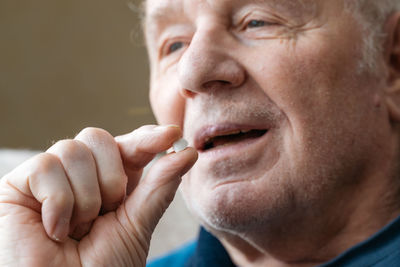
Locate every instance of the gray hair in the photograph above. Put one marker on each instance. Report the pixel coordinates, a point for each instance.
(372, 15)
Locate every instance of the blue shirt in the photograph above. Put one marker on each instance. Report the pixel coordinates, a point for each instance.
(380, 250)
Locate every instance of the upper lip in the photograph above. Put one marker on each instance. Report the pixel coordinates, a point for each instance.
(205, 133)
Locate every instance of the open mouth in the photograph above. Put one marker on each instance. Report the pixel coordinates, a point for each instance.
(230, 138)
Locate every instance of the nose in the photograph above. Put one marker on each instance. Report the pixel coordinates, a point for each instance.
(207, 65)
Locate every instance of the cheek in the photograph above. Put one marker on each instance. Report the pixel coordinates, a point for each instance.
(309, 79)
(167, 103)
(314, 84)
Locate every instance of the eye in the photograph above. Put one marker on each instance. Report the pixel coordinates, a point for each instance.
(258, 23)
(254, 23)
(174, 47)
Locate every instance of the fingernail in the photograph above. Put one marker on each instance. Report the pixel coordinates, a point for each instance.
(61, 229)
(180, 145)
(164, 127)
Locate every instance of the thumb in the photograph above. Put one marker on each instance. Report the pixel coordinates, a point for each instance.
(148, 202)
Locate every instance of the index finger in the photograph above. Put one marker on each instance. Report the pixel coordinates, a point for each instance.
(139, 147)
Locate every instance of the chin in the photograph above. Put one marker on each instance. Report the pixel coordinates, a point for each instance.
(239, 207)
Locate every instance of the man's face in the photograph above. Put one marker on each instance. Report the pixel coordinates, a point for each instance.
(271, 95)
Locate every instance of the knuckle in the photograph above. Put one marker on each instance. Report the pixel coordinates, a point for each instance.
(62, 144)
(90, 131)
(43, 163)
(71, 150)
(94, 136)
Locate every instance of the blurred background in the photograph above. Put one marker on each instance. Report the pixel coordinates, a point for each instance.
(66, 65)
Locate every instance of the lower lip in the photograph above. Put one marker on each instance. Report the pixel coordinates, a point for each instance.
(235, 149)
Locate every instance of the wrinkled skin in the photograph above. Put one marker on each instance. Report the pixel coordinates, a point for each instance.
(293, 69)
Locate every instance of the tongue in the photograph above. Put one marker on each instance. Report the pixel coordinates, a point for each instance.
(236, 138)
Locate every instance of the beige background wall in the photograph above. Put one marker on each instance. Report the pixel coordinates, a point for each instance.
(66, 65)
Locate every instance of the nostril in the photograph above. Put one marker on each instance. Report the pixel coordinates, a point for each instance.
(223, 82)
(216, 84)
(187, 93)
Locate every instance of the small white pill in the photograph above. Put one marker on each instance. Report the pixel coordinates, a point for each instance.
(180, 145)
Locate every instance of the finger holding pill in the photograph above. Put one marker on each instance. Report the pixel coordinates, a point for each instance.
(66, 195)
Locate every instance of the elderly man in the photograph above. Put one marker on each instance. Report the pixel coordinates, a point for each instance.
(294, 109)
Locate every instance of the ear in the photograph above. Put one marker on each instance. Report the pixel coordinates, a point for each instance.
(392, 56)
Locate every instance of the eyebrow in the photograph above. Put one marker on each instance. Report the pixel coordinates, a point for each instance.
(163, 13)
(160, 15)
(166, 12)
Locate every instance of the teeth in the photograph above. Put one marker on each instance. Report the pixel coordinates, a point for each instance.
(231, 132)
(236, 132)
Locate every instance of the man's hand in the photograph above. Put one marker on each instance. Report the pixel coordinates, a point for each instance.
(82, 203)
